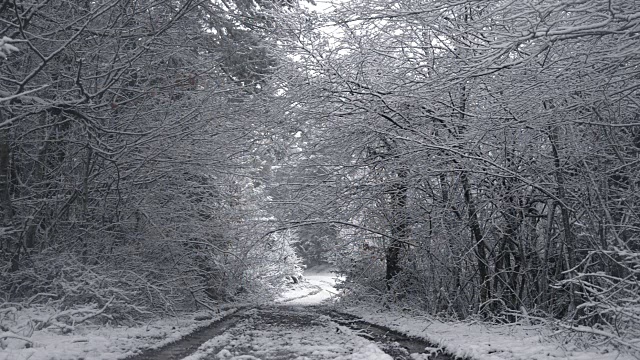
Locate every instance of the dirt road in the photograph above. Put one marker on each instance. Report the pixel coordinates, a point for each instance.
(292, 332)
(298, 327)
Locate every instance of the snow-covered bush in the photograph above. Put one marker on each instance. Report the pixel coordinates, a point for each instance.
(266, 265)
(68, 285)
(608, 285)
(359, 258)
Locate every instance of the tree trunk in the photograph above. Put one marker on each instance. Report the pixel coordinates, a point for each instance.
(478, 241)
(11, 243)
(569, 244)
(399, 226)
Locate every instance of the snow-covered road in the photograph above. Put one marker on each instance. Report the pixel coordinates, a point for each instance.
(288, 332)
(297, 329)
(315, 289)
(293, 329)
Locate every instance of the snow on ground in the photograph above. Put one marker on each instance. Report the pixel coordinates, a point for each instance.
(324, 282)
(318, 286)
(287, 333)
(294, 333)
(95, 342)
(480, 341)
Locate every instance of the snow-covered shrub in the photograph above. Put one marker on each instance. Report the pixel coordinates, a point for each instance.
(68, 285)
(360, 260)
(608, 283)
(265, 265)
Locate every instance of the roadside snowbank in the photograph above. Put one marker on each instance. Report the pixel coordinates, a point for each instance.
(88, 341)
(481, 341)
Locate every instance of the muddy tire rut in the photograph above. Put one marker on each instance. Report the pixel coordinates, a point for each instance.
(190, 343)
(395, 344)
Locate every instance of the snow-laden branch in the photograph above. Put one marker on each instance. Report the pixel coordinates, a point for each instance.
(6, 47)
(296, 224)
(22, 94)
(10, 335)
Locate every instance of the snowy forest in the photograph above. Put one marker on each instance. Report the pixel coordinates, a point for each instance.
(471, 159)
